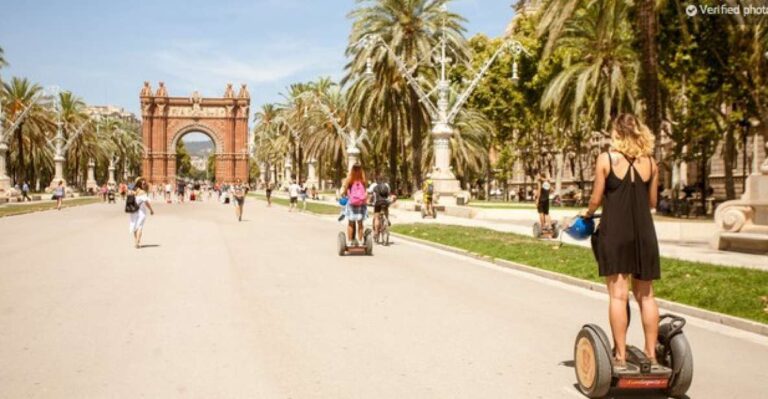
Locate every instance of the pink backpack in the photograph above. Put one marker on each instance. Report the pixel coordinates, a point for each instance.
(357, 194)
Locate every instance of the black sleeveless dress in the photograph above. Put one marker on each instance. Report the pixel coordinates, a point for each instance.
(627, 241)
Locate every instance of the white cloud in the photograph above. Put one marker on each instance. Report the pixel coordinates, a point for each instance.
(199, 65)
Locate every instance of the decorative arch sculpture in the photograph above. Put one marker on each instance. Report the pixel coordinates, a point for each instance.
(166, 119)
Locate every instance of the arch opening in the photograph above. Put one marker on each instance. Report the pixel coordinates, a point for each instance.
(195, 154)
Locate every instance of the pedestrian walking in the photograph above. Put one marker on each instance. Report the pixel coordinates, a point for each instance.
(168, 191)
(238, 192)
(137, 203)
(25, 192)
(293, 193)
(123, 190)
(180, 188)
(626, 247)
(541, 198)
(58, 194)
(269, 194)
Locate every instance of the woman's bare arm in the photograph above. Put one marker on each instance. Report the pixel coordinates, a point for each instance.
(598, 186)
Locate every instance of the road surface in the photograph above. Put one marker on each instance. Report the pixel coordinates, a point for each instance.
(213, 308)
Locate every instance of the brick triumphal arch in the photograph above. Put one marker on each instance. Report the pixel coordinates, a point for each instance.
(166, 119)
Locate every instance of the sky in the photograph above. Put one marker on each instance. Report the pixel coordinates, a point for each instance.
(103, 51)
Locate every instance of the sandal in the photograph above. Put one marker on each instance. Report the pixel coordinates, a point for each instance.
(619, 365)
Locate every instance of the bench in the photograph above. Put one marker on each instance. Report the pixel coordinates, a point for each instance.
(747, 242)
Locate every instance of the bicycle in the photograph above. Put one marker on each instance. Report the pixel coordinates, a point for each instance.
(382, 233)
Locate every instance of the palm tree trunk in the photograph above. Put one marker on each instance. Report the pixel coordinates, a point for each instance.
(404, 169)
(417, 140)
(648, 28)
(393, 145)
(20, 172)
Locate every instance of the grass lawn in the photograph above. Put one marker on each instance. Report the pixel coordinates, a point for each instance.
(20, 209)
(733, 291)
(321, 209)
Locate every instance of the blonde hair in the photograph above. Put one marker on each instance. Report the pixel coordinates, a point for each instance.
(631, 137)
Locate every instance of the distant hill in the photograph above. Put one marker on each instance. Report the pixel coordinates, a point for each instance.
(199, 148)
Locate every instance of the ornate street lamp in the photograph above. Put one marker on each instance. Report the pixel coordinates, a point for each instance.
(442, 113)
(5, 180)
(350, 136)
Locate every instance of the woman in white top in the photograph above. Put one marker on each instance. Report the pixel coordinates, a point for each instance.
(138, 217)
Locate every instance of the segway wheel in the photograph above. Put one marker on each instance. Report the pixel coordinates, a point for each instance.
(681, 362)
(592, 363)
(555, 231)
(536, 230)
(423, 212)
(342, 244)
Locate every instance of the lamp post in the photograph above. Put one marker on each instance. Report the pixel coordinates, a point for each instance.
(350, 136)
(5, 180)
(443, 113)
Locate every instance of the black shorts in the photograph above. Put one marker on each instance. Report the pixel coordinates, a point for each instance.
(294, 200)
(240, 201)
(269, 193)
(378, 208)
(543, 207)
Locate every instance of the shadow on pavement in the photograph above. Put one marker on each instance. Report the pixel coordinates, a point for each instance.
(149, 246)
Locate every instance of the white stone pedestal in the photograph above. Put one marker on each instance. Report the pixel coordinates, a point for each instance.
(743, 224)
(312, 173)
(90, 183)
(58, 175)
(445, 181)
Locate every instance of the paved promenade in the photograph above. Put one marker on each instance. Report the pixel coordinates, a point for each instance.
(213, 308)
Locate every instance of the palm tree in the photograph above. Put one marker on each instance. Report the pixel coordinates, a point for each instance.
(555, 18)
(73, 116)
(3, 62)
(411, 28)
(600, 66)
(325, 141)
(269, 147)
(30, 138)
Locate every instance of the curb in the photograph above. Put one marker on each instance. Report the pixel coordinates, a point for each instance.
(714, 317)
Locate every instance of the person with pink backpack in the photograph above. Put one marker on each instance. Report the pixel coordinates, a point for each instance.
(357, 200)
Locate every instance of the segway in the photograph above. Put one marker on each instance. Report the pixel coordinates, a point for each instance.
(596, 376)
(424, 211)
(364, 248)
(551, 233)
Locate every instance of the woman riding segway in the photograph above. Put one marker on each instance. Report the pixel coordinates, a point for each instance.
(627, 252)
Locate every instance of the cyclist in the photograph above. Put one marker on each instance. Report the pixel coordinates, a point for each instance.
(428, 190)
(381, 199)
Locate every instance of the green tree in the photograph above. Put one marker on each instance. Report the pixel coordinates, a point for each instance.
(183, 160)
(555, 21)
(599, 68)
(411, 28)
(28, 152)
(3, 62)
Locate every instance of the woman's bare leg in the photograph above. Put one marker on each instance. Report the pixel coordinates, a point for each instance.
(138, 238)
(618, 292)
(360, 231)
(649, 312)
(350, 231)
